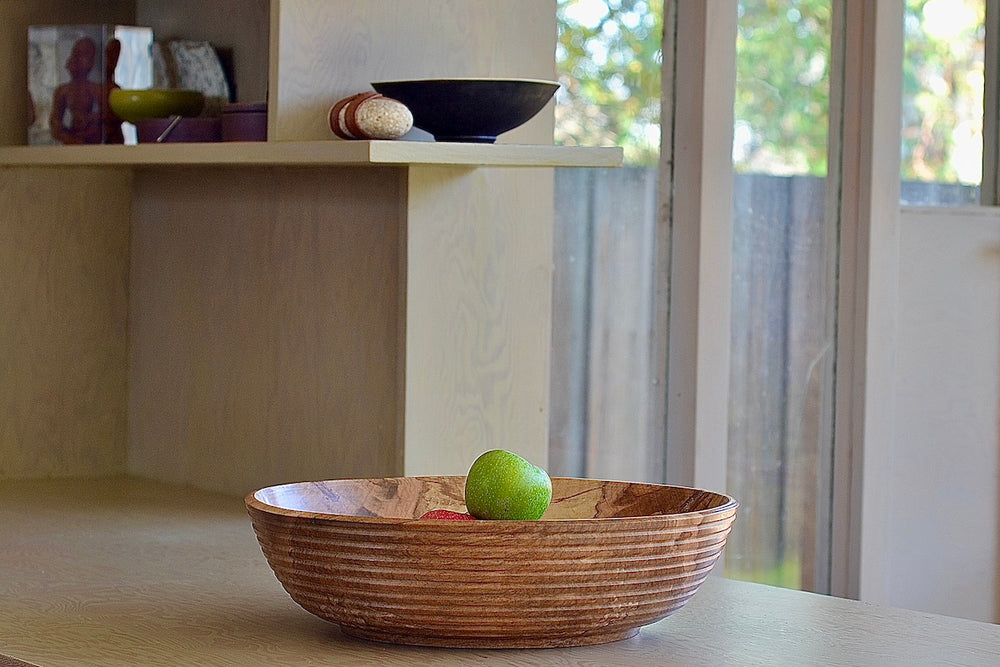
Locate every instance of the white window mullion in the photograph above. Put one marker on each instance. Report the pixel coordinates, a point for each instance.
(990, 188)
(700, 206)
(867, 295)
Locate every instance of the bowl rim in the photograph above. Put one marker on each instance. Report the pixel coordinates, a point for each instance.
(467, 79)
(133, 105)
(186, 92)
(253, 503)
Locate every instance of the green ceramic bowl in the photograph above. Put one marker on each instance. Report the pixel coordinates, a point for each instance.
(135, 105)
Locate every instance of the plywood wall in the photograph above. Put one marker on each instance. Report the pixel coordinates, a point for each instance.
(63, 266)
(264, 330)
(478, 312)
(63, 293)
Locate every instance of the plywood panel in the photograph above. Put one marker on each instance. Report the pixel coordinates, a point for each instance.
(264, 327)
(63, 270)
(15, 17)
(479, 276)
(323, 51)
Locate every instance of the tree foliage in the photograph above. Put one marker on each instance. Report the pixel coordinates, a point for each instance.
(782, 86)
(610, 53)
(609, 56)
(943, 90)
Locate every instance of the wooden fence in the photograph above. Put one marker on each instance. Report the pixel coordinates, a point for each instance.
(602, 325)
(603, 343)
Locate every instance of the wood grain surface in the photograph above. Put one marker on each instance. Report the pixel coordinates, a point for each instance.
(7, 661)
(63, 307)
(264, 326)
(478, 296)
(396, 498)
(63, 265)
(126, 572)
(312, 153)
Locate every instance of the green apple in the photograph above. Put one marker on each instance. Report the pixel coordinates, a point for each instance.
(502, 485)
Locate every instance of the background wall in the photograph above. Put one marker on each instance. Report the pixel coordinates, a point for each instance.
(263, 347)
(63, 273)
(943, 527)
(63, 309)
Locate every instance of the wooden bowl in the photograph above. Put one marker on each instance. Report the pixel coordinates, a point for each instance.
(606, 559)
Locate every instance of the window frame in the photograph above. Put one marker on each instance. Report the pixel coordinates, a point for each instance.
(989, 192)
(696, 202)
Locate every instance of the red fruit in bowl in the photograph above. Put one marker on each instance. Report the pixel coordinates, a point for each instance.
(448, 515)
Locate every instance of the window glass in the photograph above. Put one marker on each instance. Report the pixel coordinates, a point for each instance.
(783, 297)
(603, 368)
(609, 55)
(784, 287)
(943, 78)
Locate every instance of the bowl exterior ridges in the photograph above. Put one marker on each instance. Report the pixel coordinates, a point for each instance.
(492, 584)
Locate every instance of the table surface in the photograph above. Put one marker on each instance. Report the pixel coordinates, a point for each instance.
(130, 572)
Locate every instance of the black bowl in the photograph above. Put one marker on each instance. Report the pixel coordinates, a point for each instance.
(469, 110)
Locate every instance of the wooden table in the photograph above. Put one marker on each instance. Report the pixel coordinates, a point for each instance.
(128, 572)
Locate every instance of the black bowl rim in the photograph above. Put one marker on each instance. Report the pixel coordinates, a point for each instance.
(253, 503)
(466, 79)
(470, 120)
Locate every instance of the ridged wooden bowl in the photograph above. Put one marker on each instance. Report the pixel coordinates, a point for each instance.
(606, 559)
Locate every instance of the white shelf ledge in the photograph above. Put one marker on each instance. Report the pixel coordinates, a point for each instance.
(315, 153)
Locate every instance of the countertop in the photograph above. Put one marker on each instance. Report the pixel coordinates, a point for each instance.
(130, 572)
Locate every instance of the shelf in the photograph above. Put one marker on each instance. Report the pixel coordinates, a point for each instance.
(312, 153)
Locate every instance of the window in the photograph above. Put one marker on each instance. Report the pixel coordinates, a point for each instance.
(808, 308)
(606, 375)
(607, 369)
(943, 86)
(783, 296)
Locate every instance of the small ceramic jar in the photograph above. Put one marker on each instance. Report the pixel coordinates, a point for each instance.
(244, 122)
(165, 130)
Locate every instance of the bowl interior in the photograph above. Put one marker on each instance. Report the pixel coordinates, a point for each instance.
(469, 110)
(408, 497)
(135, 105)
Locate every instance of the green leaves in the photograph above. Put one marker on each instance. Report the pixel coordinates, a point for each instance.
(782, 85)
(609, 56)
(942, 87)
(610, 53)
